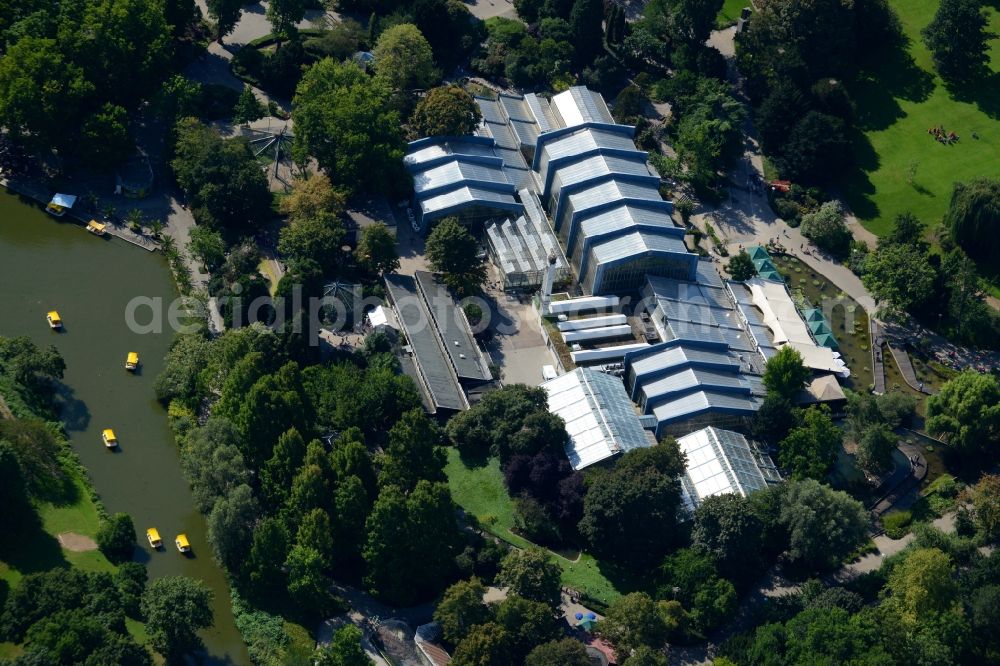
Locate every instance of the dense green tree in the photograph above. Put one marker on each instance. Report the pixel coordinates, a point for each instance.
(922, 585)
(376, 249)
(899, 276)
(690, 576)
(585, 20)
(212, 463)
(226, 14)
(274, 403)
(727, 528)
(13, 490)
(810, 450)
(308, 584)
(123, 46)
(741, 267)
(315, 531)
(974, 321)
(248, 108)
(176, 608)
(343, 118)
(404, 59)
(630, 513)
(985, 506)
(38, 453)
(317, 239)
(116, 537)
(966, 414)
(178, 14)
(283, 15)
(345, 649)
(351, 506)
(528, 623)
(958, 39)
(230, 526)
(207, 244)
(460, 609)
(690, 21)
(827, 229)
(632, 621)
(974, 213)
(222, 178)
(267, 555)
(496, 420)
(775, 418)
(413, 452)
(452, 251)
(816, 150)
(312, 197)
(29, 365)
(709, 132)
(783, 106)
(279, 471)
(485, 645)
(451, 30)
(647, 656)
(532, 575)
(907, 229)
(823, 525)
(566, 652)
(875, 449)
(446, 111)
(181, 377)
(78, 636)
(832, 635)
(411, 542)
(105, 142)
(984, 618)
(785, 375)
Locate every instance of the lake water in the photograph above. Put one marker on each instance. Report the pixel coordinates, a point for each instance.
(46, 264)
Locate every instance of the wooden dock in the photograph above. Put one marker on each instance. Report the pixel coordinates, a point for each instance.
(113, 228)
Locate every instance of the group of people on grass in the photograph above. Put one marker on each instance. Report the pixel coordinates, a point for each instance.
(939, 134)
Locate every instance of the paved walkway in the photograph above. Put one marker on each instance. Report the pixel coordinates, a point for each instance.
(905, 367)
(904, 479)
(746, 217)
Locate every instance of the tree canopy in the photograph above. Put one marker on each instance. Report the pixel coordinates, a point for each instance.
(377, 249)
(958, 59)
(446, 111)
(966, 414)
(404, 59)
(785, 375)
(823, 524)
(630, 513)
(810, 450)
(343, 118)
(974, 213)
(452, 251)
(176, 608)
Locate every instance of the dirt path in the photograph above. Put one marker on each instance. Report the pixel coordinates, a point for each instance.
(77, 543)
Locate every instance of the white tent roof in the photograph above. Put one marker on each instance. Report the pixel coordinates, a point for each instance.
(781, 316)
(382, 316)
(64, 200)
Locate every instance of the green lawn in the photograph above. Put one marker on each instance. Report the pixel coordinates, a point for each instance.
(37, 549)
(730, 12)
(480, 492)
(902, 166)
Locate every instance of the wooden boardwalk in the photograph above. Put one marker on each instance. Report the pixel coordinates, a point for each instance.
(906, 370)
(878, 368)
